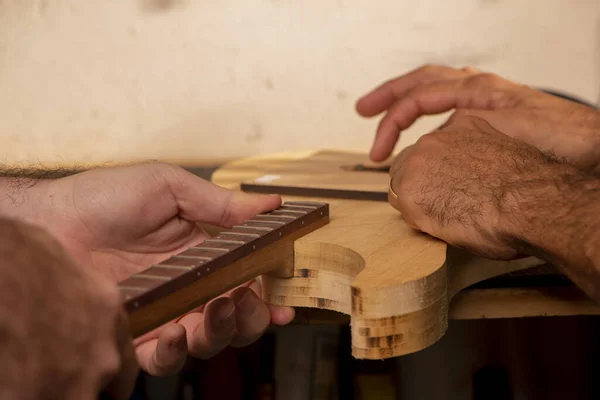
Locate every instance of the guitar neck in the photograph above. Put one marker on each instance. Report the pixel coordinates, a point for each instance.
(261, 245)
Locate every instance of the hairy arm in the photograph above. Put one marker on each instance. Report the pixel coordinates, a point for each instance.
(24, 191)
(556, 217)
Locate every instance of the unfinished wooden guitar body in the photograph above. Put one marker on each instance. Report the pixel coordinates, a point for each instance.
(396, 284)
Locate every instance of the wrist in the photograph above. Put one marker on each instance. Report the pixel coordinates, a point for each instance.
(595, 144)
(24, 198)
(550, 202)
(554, 215)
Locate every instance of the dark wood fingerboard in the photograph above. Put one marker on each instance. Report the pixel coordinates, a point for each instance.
(198, 262)
(306, 191)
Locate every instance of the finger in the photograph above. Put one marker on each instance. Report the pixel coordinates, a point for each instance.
(396, 198)
(211, 332)
(382, 97)
(203, 201)
(123, 384)
(165, 355)
(433, 98)
(281, 315)
(252, 315)
(476, 92)
(155, 333)
(397, 167)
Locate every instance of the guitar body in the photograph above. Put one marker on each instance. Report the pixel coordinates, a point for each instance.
(395, 284)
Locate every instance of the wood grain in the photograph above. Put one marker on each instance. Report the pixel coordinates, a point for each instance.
(395, 284)
(334, 175)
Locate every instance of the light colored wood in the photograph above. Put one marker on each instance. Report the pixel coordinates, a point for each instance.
(328, 169)
(394, 283)
(95, 80)
(521, 302)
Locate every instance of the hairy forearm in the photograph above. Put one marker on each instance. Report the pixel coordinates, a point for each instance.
(22, 189)
(556, 217)
(595, 127)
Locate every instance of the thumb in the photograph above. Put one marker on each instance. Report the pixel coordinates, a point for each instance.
(202, 201)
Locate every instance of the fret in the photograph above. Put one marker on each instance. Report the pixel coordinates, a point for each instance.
(175, 267)
(155, 277)
(196, 258)
(265, 222)
(258, 228)
(293, 212)
(131, 288)
(163, 271)
(182, 261)
(180, 271)
(280, 219)
(243, 234)
(224, 241)
(206, 254)
(208, 248)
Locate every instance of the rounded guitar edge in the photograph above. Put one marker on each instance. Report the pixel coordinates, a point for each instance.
(385, 321)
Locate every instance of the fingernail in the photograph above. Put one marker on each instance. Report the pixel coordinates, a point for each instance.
(247, 303)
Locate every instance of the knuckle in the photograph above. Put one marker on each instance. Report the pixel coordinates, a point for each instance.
(486, 79)
(231, 215)
(432, 139)
(469, 69)
(389, 84)
(461, 114)
(460, 119)
(429, 68)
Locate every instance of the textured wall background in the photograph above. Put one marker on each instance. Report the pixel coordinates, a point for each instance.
(173, 79)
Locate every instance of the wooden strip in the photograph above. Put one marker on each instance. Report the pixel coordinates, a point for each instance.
(303, 191)
(260, 245)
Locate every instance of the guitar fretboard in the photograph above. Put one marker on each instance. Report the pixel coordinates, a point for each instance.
(217, 252)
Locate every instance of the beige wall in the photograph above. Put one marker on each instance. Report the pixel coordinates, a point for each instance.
(96, 80)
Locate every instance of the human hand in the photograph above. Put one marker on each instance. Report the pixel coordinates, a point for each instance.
(121, 220)
(556, 126)
(64, 332)
(459, 184)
